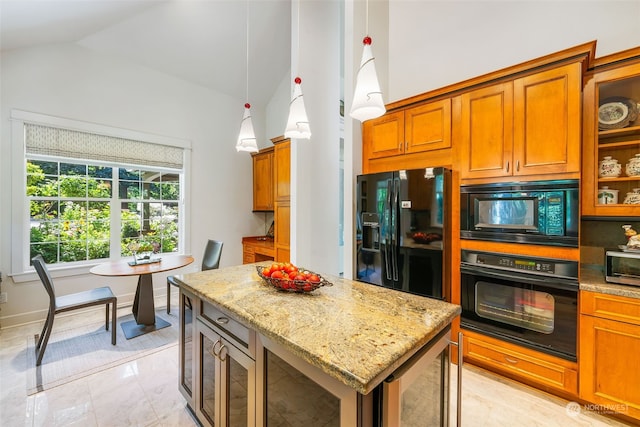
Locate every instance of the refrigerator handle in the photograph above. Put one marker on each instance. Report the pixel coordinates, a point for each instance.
(395, 219)
(387, 235)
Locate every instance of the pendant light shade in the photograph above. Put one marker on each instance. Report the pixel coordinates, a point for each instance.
(247, 138)
(298, 123)
(367, 98)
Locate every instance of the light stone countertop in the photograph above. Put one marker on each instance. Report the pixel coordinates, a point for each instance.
(592, 280)
(355, 332)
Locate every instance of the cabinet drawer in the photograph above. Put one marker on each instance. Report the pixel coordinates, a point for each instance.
(612, 307)
(525, 366)
(243, 336)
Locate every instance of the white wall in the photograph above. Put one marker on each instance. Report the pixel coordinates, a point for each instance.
(72, 82)
(277, 110)
(436, 43)
(315, 162)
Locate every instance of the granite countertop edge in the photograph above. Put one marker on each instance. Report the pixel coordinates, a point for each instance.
(592, 280)
(237, 286)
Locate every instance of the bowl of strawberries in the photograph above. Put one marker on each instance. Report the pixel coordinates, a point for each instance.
(285, 276)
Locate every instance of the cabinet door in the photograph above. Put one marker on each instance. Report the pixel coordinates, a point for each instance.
(609, 373)
(282, 173)
(237, 380)
(263, 181)
(186, 348)
(486, 128)
(226, 385)
(621, 143)
(384, 136)
(208, 397)
(547, 121)
(428, 127)
(282, 221)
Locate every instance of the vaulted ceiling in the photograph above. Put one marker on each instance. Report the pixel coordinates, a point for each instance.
(200, 41)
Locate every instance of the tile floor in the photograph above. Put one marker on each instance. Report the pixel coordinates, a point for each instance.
(145, 392)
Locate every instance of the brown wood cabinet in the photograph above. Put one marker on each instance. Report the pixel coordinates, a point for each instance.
(406, 132)
(531, 367)
(608, 352)
(263, 180)
(256, 249)
(522, 127)
(282, 186)
(614, 78)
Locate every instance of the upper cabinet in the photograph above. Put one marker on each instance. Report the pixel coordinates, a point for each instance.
(406, 132)
(282, 186)
(263, 180)
(612, 130)
(523, 127)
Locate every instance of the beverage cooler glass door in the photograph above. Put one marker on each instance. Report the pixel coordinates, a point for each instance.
(417, 394)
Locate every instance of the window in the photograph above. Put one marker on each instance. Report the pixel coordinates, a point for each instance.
(71, 216)
(85, 191)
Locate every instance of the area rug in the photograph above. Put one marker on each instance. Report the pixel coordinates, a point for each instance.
(76, 353)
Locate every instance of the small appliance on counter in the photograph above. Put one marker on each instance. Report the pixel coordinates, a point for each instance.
(623, 266)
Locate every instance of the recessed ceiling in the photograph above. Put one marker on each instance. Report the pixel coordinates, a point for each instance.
(202, 41)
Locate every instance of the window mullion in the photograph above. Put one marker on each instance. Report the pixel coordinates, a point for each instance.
(115, 217)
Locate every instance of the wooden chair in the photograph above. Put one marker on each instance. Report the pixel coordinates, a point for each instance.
(210, 261)
(96, 296)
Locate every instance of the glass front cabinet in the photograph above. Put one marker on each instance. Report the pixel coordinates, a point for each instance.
(611, 158)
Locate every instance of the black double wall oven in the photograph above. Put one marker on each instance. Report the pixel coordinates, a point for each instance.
(527, 300)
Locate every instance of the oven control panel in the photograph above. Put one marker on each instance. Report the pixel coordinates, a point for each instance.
(524, 264)
(517, 263)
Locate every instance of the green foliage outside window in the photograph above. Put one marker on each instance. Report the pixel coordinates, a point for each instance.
(70, 210)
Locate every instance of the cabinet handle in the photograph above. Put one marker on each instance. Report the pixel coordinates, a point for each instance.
(213, 348)
(400, 146)
(222, 359)
(222, 320)
(507, 165)
(508, 359)
(406, 145)
(517, 165)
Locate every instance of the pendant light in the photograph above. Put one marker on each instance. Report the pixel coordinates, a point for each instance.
(247, 137)
(367, 98)
(297, 123)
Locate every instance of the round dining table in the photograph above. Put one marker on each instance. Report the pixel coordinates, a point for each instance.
(145, 319)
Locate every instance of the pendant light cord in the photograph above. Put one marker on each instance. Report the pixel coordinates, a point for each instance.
(366, 28)
(247, 51)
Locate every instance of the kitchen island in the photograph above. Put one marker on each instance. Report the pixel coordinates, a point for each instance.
(252, 353)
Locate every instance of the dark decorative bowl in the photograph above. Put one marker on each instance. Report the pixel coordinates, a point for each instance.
(289, 285)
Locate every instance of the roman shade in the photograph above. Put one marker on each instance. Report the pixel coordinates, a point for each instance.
(52, 141)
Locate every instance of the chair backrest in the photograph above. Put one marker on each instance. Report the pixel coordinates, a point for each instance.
(212, 253)
(45, 277)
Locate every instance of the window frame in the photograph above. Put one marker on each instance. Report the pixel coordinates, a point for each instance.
(20, 231)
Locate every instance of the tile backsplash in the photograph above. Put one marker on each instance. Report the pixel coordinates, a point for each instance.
(597, 236)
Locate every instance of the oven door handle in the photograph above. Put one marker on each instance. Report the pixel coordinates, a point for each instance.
(550, 282)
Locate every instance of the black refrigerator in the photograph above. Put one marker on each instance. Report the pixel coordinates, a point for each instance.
(401, 228)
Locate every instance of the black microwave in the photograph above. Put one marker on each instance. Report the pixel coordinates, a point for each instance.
(536, 212)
